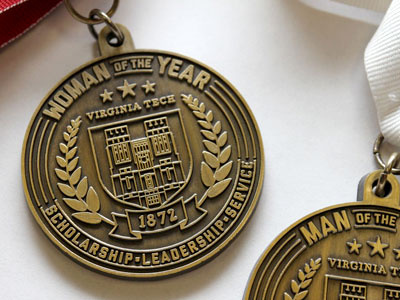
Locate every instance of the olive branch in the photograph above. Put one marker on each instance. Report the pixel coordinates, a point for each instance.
(76, 188)
(299, 289)
(215, 168)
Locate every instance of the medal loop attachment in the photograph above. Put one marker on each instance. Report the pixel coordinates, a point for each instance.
(377, 153)
(97, 14)
(387, 170)
(89, 20)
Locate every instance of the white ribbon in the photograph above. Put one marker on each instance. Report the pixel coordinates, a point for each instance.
(382, 63)
(377, 5)
(370, 11)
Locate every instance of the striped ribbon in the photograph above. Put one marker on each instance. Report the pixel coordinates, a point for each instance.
(18, 16)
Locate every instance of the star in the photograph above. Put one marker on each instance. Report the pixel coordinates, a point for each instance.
(397, 252)
(127, 89)
(354, 247)
(106, 96)
(377, 247)
(149, 87)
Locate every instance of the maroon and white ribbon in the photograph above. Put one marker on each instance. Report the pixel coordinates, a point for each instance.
(18, 16)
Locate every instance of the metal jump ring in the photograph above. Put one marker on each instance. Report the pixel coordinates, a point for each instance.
(106, 19)
(86, 20)
(388, 169)
(378, 156)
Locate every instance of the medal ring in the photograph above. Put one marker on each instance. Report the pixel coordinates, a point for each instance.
(88, 20)
(378, 156)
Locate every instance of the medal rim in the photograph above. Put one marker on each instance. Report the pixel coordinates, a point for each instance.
(158, 274)
(260, 260)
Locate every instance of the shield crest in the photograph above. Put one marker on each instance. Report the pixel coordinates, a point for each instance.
(143, 162)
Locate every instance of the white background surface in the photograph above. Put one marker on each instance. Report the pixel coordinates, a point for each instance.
(300, 70)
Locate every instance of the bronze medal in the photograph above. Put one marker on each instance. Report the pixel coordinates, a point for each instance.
(142, 163)
(348, 251)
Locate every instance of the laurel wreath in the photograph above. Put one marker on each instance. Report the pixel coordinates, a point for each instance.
(215, 168)
(299, 289)
(76, 189)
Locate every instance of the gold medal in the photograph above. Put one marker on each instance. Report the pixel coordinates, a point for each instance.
(347, 251)
(141, 163)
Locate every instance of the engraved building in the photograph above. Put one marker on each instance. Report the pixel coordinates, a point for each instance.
(145, 170)
(391, 294)
(352, 291)
(344, 288)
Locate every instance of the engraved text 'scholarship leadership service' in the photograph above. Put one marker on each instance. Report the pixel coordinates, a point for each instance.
(142, 163)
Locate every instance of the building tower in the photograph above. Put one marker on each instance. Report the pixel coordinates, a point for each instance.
(119, 157)
(117, 145)
(351, 291)
(160, 135)
(391, 294)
